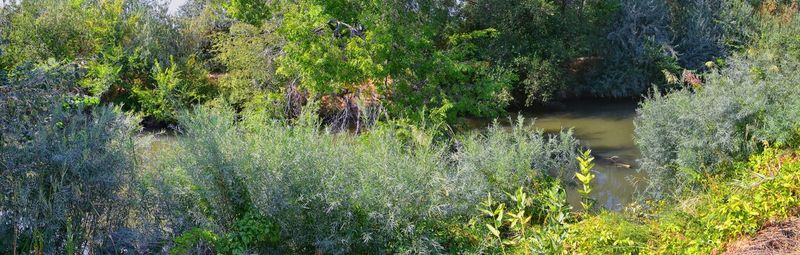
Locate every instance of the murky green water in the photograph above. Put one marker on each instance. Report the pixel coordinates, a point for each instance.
(607, 128)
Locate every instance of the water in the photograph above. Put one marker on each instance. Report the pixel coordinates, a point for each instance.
(606, 127)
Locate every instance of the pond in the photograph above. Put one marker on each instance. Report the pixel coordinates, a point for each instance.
(605, 126)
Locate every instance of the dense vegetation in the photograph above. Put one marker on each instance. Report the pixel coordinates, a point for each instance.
(319, 126)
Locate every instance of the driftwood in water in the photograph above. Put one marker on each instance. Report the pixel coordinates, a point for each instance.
(614, 160)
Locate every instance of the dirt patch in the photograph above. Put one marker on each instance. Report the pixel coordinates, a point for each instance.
(775, 238)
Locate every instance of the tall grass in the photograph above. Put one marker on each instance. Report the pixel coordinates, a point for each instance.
(339, 193)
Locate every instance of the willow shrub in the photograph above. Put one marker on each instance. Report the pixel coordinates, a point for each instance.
(338, 193)
(70, 178)
(64, 188)
(691, 133)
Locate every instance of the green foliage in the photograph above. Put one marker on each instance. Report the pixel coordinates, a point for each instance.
(729, 210)
(585, 177)
(384, 195)
(538, 40)
(607, 233)
(28, 99)
(652, 36)
(526, 224)
(513, 159)
(753, 98)
(766, 190)
(249, 232)
(113, 43)
(194, 241)
(171, 94)
(327, 63)
(160, 103)
(476, 88)
(32, 35)
(250, 174)
(249, 53)
(249, 11)
(412, 58)
(710, 128)
(541, 79)
(58, 182)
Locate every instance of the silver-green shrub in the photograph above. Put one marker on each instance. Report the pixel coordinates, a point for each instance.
(339, 193)
(68, 172)
(654, 35)
(693, 132)
(65, 187)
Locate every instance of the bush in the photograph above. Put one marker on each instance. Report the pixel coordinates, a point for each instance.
(654, 36)
(705, 224)
(691, 133)
(766, 189)
(67, 185)
(170, 92)
(248, 53)
(563, 32)
(345, 194)
(70, 176)
(29, 96)
(114, 44)
(513, 159)
(521, 223)
(607, 233)
(700, 132)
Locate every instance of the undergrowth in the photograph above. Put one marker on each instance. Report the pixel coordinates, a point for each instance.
(339, 193)
(699, 223)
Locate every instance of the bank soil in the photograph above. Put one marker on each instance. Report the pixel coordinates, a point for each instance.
(775, 238)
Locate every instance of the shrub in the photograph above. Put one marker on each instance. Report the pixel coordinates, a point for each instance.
(521, 223)
(248, 54)
(70, 176)
(728, 210)
(563, 32)
(113, 43)
(513, 159)
(170, 93)
(66, 186)
(194, 241)
(765, 190)
(691, 133)
(638, 49)
(344, 194)
(700, 132)
(653, 36)
(607, 233)
(541, 80)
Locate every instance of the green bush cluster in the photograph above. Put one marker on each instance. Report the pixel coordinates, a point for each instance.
(375, 192)
(114, 44)
(71, 176)
(564, 31)
(260, 52)
(766, 190)
(607, 233)
(67, 170)
(694, 132)
(249, 172)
